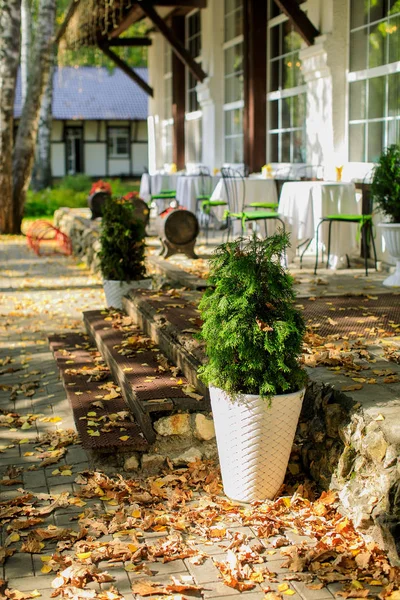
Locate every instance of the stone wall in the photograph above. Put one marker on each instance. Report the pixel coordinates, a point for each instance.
(181, 438)
(83, 232)
(344, 449)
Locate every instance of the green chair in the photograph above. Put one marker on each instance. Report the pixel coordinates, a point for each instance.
(204, 198)
(234, 184)
(365, 229)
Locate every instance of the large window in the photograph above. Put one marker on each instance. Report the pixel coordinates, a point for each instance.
(167, 121)
(118, 142)
(193, 125)
(233, 81)
(374, 78)
(286, 91)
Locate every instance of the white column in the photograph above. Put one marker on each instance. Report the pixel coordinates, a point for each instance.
(210, 93)
(155, 70)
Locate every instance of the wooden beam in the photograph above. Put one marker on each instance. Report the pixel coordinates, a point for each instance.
(131, 41)
(127, 70)
(178, 96)
(70, 13)
(299, 19)
(255, 73)
(177, 45)
(134, 15)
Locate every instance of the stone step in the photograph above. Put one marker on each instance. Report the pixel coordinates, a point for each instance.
(175, 275)
(171, 319)
(87, 383)
(148, 382)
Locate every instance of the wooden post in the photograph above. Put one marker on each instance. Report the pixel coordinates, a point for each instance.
(178, 96)
(255, 84)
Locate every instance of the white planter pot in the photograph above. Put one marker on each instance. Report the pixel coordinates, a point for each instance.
(254, 439)
(391, 234)
(116, 290)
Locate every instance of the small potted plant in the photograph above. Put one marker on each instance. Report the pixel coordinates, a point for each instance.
(122, 251)
(98, 195)
(253, 338)
(385, 191)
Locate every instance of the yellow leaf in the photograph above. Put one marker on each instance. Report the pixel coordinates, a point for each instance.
(83, 555)
(289, 592)
(132, 547)
(257, 577)
(130, 567)
(91, 414)
(282, 587)
(35, 594)
(93, 433)
(380, 418)
(56, 472)
(26, 425)
(24, 441)
(136, 514)
(357, 584)
(28, 453)
(78, 393)
(46, 569)
(375, 582)
(13, 537)
(45, 558)
(287, 501)
(124, 438)
(66, 472)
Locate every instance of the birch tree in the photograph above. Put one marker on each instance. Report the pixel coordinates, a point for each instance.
(40, 65)
(10, 26)
(41, 176)
(26, 44)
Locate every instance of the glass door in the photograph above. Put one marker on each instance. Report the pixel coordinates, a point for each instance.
(74, 138)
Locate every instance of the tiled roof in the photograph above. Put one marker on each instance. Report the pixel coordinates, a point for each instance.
(94, 93)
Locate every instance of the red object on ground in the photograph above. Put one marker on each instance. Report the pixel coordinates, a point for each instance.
(101, 186)
(43, 232)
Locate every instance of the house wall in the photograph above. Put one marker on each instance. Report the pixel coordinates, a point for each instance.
(96, 162)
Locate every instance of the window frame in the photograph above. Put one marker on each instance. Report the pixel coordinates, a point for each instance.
(382, 71)
(281, 94)
(112, 144)
(236, 104)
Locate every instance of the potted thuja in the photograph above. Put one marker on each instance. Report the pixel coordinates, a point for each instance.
(253, 338)
(122, 251)
(385, 191)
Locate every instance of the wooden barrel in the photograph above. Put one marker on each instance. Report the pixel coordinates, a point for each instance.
(178, 229)
(141, 211)
(96, 203)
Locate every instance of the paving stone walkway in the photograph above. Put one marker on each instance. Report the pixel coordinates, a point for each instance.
(42, 295)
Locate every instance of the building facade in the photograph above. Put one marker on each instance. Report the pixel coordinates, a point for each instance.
(323, 92)
(99, 123)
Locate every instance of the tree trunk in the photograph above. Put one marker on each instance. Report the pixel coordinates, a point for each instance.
(10, 26)
(26, 45)
(42, 58)
(41, 176)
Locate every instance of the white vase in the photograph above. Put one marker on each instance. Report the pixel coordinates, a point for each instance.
(254, 439)
(391, 234)
(116, 290)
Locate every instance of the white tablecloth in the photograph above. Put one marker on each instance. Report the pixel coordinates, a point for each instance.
(158, 182)
(189, 187)
(303, 203)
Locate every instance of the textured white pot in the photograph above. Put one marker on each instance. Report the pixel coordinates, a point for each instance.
(116, 290)
(391, 234)
(254, 439)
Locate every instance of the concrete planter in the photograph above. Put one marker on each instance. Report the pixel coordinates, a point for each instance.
(116, 290)
(254, 439)
(391, 234)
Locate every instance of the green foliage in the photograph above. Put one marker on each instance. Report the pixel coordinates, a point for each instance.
(76, 183)
(122, 243)
(45, 202)
(72, 191)
(252, 331)
(385, 187)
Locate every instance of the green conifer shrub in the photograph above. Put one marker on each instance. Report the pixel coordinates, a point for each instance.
(122, 242)
(253, 333)
(385, 188)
